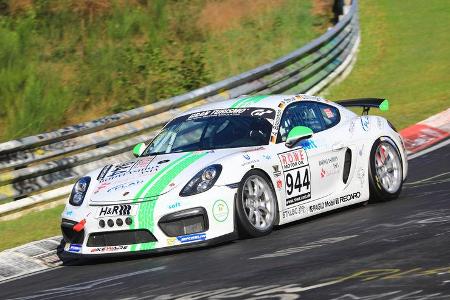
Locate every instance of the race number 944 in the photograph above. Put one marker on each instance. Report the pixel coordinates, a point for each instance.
(297, 181)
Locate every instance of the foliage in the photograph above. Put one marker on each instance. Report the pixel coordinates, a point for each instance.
(68, 61)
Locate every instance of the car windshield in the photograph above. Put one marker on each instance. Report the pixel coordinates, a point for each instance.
(216, 129)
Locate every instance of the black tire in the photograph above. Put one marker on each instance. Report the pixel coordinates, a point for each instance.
(378, 193)
(245, 227)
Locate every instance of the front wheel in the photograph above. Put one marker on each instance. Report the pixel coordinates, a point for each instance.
(385, 171)
(256, 205)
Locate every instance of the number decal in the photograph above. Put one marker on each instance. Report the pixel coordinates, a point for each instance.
(297, 176)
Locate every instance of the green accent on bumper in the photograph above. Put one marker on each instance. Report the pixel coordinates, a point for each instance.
(247, 101)
(384, 106)
(157, 185)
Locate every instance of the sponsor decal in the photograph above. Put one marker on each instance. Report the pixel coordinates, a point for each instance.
(68, 213)
(336, 201)
(273, 139)
(125, 185)
(246, 156)
(220, 210)
(117, 210)
(294, 211)
(276, 170)
(126, 193)
(351, 127)
(308, 144)
(365, 123)
(279, 183)
(267, 156)
(329, 113)
(277, 121)
(175, 205)
(292, 159)
(191, 237)
(328, 160)
(142, 166)
(299, 97)
(380, 123)
(266, 113)
(296, 176)
(361, 175)
(109, 249)
(361, 150)
(171, 241)
(101, 186)
(163, 161)
(250, 162)
(75, 248)
(325, 172)
(103, 172)
(261, 112)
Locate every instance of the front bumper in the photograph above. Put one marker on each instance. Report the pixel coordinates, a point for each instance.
(170, 222)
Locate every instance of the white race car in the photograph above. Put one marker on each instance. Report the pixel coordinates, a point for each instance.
(240, 166)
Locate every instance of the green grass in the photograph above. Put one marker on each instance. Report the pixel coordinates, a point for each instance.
(404, 56)
(31, 227)
(64, 62)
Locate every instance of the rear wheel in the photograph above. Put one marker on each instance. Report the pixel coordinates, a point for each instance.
(385, 171)
(256, 205)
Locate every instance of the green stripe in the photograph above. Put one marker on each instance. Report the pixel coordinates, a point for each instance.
(236, 104)
(153, 179)
(247, 101)
(146, 209)
(169, 166)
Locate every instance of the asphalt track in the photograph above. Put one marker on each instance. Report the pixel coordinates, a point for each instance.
(393, 250)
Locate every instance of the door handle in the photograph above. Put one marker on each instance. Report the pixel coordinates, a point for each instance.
(337, 146)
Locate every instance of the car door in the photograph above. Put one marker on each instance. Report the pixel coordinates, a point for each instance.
(312, 169)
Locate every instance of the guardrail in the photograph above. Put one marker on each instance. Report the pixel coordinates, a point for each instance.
(41, 168)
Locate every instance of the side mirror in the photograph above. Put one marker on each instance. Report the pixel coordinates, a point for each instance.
(296, 134)
(138, 149)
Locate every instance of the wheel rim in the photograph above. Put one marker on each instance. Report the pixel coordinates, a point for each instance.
(388, 167)
(258, 202)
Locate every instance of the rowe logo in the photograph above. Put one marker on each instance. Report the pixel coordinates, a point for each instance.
(115, 210)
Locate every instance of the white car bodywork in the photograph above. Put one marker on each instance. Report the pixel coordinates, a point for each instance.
(148, 188)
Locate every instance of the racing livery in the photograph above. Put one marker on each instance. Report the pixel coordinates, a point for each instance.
(237, 167)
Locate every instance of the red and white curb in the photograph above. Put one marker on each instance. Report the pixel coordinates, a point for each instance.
(427, 133)
(40, 256)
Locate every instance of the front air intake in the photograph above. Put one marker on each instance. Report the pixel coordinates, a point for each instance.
(118, 238)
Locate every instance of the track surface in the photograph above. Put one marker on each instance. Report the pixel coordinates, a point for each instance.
(394, 250)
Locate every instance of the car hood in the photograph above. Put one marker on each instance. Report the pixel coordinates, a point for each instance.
(146, 178)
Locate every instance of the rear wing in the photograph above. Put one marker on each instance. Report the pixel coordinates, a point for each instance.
(366, 104)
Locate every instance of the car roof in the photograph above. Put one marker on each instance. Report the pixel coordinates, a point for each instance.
(263, 101)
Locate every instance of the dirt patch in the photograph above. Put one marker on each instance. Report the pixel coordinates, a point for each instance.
(223, 15)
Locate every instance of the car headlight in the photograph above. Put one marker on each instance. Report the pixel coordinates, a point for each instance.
(202, 181)
(79, 191)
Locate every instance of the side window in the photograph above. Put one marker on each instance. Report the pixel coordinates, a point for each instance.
(330, 115)
(300, 114)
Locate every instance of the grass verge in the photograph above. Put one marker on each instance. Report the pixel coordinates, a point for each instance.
(404, 56)
(31, 227)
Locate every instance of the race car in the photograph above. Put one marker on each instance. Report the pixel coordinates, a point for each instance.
(236, 168)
